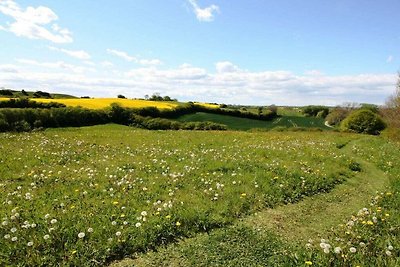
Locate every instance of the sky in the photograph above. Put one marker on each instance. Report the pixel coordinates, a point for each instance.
(252, 52)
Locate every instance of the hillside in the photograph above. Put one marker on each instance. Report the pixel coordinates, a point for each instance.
(7, 93)
(235, 123)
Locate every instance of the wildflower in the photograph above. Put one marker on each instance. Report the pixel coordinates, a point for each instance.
(14, 239)
(4, 223)
(46, 237)
(13, 230)
(178, 224)
(143, 213)
(362, 244)
(30, 244)
(118, 233)
(390, 247)
(53, 221)
(168, 216)
(353, 250)
(47, 216)
(309, 263)
(388, 253)
(90, 230)
(138, 224)
(81, 235)
(114, 223)
(7, 236)
(337, 250)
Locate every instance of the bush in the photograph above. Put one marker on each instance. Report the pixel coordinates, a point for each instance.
(6, 92)
(363, 121)
(3, 124)
(313, 111)
(27, 103)
(337, 116)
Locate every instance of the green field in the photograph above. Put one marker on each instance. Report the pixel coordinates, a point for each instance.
(235, 123)
(87, 196)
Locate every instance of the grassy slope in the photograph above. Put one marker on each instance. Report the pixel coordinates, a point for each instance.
(313, 217)
(246, 124)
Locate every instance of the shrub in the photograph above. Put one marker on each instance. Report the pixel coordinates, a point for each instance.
(313, 111)
(337, 116)
(3, 124)
(6, 92)
(363, 121)
(27, 103)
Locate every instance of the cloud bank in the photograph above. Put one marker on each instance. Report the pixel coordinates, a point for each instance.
(226, 84)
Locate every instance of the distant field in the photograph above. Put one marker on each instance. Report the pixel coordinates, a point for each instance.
(235, 123)
(98, 103)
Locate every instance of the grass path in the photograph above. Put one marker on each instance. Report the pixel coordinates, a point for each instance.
(310, 218)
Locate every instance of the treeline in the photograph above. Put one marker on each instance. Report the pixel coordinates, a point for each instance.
(27, 103)
(25, 115)
(27, 119)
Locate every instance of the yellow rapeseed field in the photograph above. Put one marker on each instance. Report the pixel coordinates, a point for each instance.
(99, 103)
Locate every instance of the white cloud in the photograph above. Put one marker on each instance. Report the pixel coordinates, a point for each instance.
(33, 23)
(188, 82)
(389, 59)
(226, 66)
(204, 14)
(122, 55)
(129, 58)
(55, 65)
(79, 54)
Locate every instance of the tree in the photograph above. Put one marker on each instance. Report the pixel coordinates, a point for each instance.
(363, 121)
(391, 110)
(121, 96)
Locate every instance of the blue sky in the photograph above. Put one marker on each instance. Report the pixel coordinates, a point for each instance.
(287, 52)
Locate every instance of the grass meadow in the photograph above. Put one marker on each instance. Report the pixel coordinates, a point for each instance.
(89, 196)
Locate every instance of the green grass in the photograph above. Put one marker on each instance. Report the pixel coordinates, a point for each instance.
(290, 235)
(235, 123)
(196, 198)
(139, 190)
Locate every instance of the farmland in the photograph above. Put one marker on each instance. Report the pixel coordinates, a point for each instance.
(87, 196)
(100, 103)
(247, 124)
